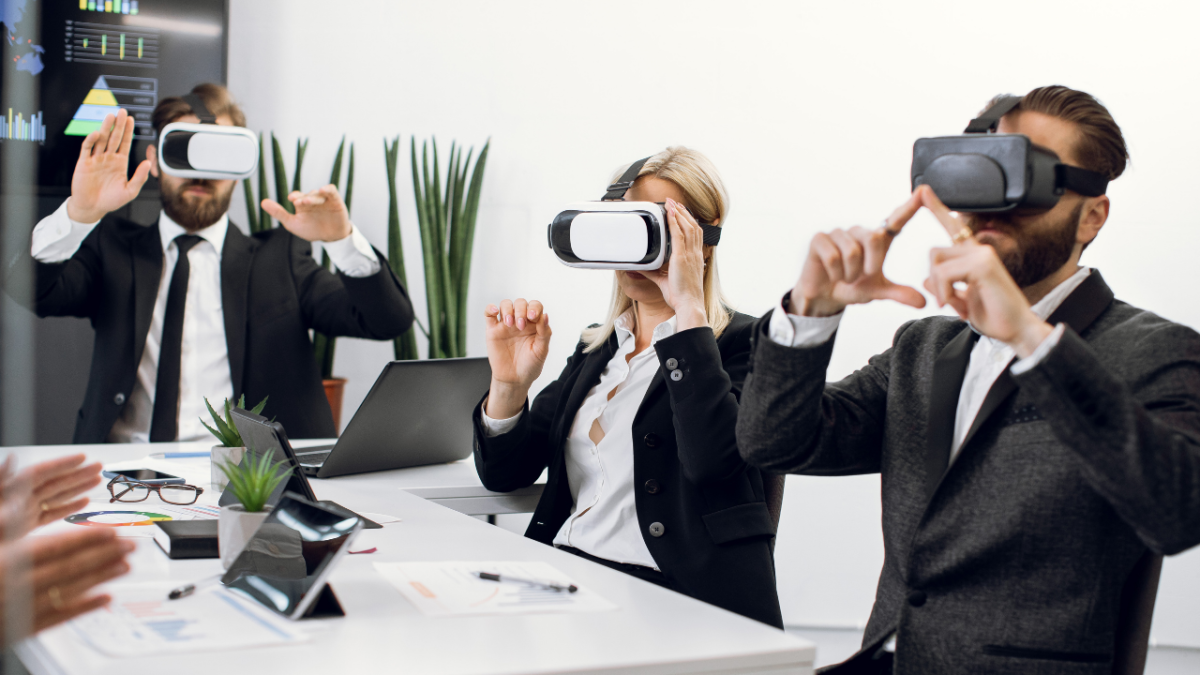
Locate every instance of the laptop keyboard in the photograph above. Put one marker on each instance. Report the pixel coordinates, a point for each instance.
(316, 458)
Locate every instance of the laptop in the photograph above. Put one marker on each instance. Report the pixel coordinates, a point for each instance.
(417, 413)
(262, 435)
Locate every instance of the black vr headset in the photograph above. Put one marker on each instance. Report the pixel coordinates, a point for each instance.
(207, 150)
(612, 234)
(982, 171)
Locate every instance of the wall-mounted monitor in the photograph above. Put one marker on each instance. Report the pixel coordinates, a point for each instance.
(88, 58)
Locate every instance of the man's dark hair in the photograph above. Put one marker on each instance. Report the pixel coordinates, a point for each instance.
(1100, 146)
(216, 98)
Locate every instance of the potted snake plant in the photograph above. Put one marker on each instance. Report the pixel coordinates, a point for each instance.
(230, 448)
(252, 482)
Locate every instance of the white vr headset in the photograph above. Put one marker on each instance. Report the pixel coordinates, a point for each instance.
(617, 235)
(207, 150)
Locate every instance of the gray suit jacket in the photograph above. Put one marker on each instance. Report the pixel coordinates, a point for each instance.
(1012, 559)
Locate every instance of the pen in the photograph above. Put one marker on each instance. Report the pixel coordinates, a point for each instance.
(184, 591)
(545, 585)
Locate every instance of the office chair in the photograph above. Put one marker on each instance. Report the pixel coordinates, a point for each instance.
(1137, 609)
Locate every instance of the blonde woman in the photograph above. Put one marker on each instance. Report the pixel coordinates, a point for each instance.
(638, 430)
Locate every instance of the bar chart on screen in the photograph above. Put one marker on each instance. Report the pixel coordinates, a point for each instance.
(89, 42)
(18, 126)
(110, 6)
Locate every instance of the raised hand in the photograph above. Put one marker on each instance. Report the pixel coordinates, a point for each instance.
(518, 341)
(101, 183)
(845, 267)
(682, 284)
(321, 214)
(58, 571)
(986, 294)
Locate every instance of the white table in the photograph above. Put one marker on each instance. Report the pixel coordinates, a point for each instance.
(652, 631)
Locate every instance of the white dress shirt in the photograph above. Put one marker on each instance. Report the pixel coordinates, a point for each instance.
(204, 358)
(989, 358)
(603, 520)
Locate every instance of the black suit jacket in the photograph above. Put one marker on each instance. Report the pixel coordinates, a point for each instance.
(688, 474)
(1012, 558)
(272, 293)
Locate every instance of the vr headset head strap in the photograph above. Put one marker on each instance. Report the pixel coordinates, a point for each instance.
(200, 110)
(617, 190)
(990, 118)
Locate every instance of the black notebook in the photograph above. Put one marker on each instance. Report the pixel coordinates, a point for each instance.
(187, 538)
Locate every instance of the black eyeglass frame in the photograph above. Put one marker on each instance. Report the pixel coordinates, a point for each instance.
(149, 487)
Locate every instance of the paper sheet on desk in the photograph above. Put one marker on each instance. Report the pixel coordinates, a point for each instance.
(452, 589)
(142, 621)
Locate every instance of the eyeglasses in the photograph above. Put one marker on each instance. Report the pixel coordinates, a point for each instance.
(125, 489)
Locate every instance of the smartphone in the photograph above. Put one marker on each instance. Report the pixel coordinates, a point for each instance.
(145, 476)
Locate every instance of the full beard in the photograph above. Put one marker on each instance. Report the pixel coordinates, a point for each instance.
(1038, 252)
(196, 214)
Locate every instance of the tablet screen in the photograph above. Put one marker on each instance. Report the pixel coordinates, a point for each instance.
(284, 565)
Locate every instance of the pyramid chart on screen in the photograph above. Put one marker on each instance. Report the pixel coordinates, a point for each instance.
(99, 102)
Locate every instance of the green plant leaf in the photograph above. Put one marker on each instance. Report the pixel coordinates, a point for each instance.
(350, 180)
(281, 182)
(226, 433)
(253, 481)
(335, 176)
(251, 206)
(257, 410)
(427, 223)
(470, 214)
(264, 221)
(301, 150)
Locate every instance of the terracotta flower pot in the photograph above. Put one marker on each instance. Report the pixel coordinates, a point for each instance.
(334, 388)
(234, 530)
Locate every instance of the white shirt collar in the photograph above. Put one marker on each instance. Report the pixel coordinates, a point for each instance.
(624, 328)
(1049, 303)
(214, 234)
(1052, 300)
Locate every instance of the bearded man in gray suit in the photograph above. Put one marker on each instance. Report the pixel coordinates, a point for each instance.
(1033, 450)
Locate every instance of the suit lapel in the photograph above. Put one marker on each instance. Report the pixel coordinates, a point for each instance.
(147, 256)
(589, 375)
(236, 256)
(1079, 310)
(948, 372)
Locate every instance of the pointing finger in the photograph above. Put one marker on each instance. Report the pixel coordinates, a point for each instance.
(903, 213)
(277, 212)
(957, 229)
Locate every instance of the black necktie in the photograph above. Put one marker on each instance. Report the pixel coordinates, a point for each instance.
(164, 425)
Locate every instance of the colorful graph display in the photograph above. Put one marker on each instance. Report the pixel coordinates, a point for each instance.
(110, 93)
(111, 6)
(18, 127)
(117, 518)
(88, 42)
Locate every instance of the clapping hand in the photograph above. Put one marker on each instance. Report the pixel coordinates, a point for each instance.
(972, 279)
(101, 184)
(321, 214)
(518, 342)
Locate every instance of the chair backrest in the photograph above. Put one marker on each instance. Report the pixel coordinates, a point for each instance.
(1137, 609)
(773, 490)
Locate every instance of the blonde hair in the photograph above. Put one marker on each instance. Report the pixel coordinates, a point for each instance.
(706, 199)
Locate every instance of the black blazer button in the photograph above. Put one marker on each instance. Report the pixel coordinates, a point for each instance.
(652, 486)
(672, 364)
(676, 375)
(119, 399)
(651, 440)
(917, 598)
(657, 529)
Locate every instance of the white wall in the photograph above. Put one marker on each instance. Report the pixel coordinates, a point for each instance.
(808, 109)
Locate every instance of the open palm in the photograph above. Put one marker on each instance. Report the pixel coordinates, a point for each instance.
(101, 182)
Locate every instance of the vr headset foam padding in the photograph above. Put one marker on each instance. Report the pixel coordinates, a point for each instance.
(982, 171)
(613, 234)
(207, 150)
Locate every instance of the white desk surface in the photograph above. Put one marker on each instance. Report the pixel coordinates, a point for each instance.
(652, 631)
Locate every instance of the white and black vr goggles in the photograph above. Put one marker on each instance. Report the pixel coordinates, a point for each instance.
(982, 171)
(612, 234)
(207, 150)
